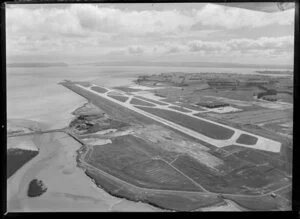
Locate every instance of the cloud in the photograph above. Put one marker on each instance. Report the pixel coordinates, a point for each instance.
(285, 42)
(232, 18)
(199, 45)
(135, 49)
(174, 50)
(91, 29)
(52, 22)
(83, 19)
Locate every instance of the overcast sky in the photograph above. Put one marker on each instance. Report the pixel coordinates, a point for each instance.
(160, 32)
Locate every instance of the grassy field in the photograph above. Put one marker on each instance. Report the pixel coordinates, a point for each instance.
(170, 100)
(179, 109)
(230, 161)
(206, 128)
(119, 98)
(244, 95)
(188, 106)
(204, 175)
(122, 152)
(158, 174)
(152, 101)
(99, 89)
(281, 161)
(247, 139)
(114, 93)
(140, 102)
(244, 179)
(130, 159)
(256, 116)
(85, 84)
(127, 89)
(277, 127)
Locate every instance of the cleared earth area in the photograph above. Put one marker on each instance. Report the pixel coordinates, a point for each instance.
(206, 128)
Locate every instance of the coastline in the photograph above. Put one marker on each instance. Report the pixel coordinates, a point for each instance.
(50, 149)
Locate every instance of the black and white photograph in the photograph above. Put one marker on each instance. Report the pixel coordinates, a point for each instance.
(149, 107)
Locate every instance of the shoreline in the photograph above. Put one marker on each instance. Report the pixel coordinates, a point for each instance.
(123, 197)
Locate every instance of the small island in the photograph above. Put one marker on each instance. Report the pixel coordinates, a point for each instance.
(36, 188)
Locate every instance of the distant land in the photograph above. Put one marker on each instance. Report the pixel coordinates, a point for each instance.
(150, 63)
(189, 64)
(275, 72)
(37, 64)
